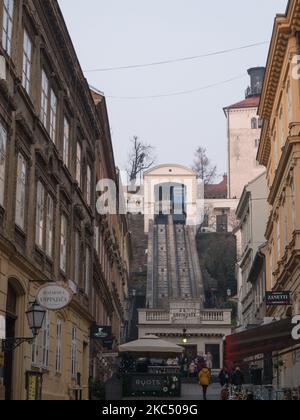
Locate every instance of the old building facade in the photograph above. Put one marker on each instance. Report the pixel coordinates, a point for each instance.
(244, 128)
(279, 152)
(50, 133)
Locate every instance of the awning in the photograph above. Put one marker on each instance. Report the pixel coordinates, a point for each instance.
(151, 345)
(267, 339)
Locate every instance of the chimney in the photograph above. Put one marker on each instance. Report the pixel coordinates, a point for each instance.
(256, 81)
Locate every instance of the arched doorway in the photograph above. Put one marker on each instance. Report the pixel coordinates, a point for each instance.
(170, 199)
(14, 292)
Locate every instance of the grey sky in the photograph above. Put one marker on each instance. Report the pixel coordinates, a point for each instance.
(110, 33)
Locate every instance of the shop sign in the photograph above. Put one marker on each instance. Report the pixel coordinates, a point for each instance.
(278, 298)
(103, 334)
(53, 297)
(142, 383)
(34, 384)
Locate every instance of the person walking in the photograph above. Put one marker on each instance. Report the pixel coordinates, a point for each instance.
(192, 369)
(224, 378)
(204, 380)
(238, 379)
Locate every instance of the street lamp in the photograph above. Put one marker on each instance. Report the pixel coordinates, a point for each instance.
(35, 318)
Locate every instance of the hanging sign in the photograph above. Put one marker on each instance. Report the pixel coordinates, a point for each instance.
(278, 298)
(53, 297)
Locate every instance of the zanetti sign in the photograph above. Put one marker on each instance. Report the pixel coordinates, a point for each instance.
(278, 298)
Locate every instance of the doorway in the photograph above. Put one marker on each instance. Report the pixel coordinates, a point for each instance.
(10, 331)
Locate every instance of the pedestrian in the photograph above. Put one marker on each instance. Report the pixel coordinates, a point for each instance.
(224, 377)
(238, 379)
(204, 380)
(192, 369)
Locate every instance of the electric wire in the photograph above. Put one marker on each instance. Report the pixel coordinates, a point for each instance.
(176, 60)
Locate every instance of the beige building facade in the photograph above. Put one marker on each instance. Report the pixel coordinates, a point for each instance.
(279, 152)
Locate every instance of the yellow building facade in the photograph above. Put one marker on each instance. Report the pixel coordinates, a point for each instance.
(279, 152)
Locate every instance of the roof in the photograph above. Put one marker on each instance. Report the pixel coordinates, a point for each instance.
(215, 191)
(251, 102)
(150, 344)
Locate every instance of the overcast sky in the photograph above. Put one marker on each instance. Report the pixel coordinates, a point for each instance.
(108, 33)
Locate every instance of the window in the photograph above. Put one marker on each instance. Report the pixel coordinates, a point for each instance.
(77, 258)
(44, 99)
(271, 270)
(45, 334)
(3, 146)
(87, 271)
(58, 346)
(290, 102)
(275, 149)
(257, 142)
(281, 124)
(278, 239)
(260, 123)
(27, 56)
(66, 144)
(53, 116)
(49, 226)
(89, 185)
(222, 223)
(40, 210)
(8, 10)
(74, 352)
(63, 243)
(78, 163)
(21, 191)
(254, 123)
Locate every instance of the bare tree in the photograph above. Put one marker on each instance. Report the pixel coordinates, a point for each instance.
(141, 158)
(203, 167)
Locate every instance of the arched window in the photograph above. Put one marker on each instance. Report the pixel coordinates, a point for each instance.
(254, 123)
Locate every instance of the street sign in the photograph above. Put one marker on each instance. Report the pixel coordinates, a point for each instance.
(278, 298)
(53, 297)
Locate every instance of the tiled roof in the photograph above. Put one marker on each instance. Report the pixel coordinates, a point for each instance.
(251, 102)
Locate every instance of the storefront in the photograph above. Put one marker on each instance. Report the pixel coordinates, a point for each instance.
(267, 348)
(150, 368)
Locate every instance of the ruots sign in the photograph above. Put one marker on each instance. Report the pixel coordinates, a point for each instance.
(278, 298)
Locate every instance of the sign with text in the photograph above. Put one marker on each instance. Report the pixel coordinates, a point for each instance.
(53, 297)
(103, 334)
(278, 298)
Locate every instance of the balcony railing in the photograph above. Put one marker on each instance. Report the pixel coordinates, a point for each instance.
(202, 317)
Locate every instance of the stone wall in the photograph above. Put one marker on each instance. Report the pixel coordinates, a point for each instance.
(139, 240)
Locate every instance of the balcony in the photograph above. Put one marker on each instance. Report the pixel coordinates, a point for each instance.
(205, 317)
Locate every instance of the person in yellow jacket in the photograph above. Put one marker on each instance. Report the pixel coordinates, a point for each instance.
(204, 378)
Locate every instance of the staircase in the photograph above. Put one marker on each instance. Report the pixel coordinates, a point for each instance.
(174, 271)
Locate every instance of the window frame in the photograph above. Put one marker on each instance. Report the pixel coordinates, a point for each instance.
(27, 62)
(3, 157)
(7, 26)
(21, 225)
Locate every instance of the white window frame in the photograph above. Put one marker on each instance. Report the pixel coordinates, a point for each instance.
(21, 191)
(7, 25)
(66, 142)
(278, 228)
(27, 61)
(74, 352)
(53, 116)
(87, 283)
(63, 243)
(77, 258)
(3, 157)
(89, 185)
(58, 353)
(49, 225)
(79, 164)
(40, 214)
(44, 99)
